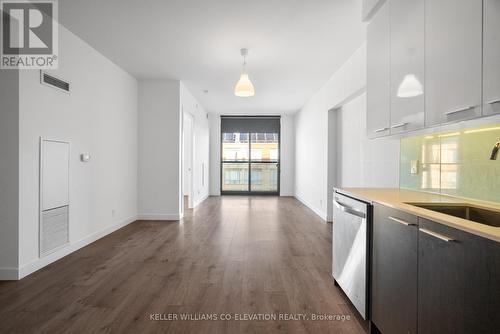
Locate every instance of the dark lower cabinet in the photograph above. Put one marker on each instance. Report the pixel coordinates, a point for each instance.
(458, 281)
(394, 271)
(430, 278)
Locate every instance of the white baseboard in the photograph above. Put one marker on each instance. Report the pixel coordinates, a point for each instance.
(314, 209)
(9, 274)
(44, 261)
(198, 202)
(162, 216)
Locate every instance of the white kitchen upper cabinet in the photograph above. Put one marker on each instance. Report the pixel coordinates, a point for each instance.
(491, 65)
(369, 8)
(453, 60)
(378, 74)
(407, 19)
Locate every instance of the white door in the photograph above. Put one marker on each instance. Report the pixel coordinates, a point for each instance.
(378, 74)
(453, 60)
(407, 65)
(491, 69)
(188, 141)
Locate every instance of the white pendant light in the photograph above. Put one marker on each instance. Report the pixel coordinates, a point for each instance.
(244, 87)
(410, 86)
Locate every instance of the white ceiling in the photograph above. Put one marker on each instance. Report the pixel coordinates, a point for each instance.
(294, 45)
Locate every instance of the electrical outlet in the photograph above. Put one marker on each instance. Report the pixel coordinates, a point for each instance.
(113, 212)
(414, 167)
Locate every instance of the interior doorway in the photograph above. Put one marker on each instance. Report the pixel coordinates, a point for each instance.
(188, 160)
(250, 155)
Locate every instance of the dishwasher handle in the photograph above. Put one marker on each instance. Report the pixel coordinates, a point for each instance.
(349, 209)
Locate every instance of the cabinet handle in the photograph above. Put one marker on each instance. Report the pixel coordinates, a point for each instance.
(350, 210)
(493, 102)
(436, 235)
(380, 130)
(400, 125)
(458, 110)
(402, 222)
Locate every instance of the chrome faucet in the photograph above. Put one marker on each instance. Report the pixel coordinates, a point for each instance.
(494, 152)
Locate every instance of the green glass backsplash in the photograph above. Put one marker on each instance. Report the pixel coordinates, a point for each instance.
(453, 163)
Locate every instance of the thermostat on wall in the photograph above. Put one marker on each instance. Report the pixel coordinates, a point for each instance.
(85, 157)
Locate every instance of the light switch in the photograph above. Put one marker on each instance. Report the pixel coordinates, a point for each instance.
(414, 167)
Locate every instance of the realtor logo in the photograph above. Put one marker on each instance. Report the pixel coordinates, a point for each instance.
(29, 34)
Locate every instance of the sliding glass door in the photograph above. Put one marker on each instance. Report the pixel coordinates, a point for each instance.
(250, 160)
(235, 162)
(264, 162)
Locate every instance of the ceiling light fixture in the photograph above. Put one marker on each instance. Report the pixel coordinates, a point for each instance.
(244, 87)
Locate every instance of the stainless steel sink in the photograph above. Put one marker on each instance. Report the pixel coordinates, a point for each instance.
(465, 211)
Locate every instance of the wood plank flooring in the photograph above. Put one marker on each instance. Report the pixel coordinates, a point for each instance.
(231, 255)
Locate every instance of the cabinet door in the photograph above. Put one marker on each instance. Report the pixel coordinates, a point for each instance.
(491, 65)
(407, 65)
(453, 58)
(458, 281)
(368, 8)
(394, 271)
(378, 74)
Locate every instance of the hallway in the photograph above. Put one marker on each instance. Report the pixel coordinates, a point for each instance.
(231, 255)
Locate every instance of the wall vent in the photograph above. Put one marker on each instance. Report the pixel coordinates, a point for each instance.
(52, 81)
(54, 230)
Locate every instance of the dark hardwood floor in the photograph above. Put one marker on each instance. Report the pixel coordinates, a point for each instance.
(231, 255)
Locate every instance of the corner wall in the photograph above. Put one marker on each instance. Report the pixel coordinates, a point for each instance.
(9, 175)
(98, 116)
(160, 124)
(334, 111)
(201, 169)
(287, 156)
(214, 123)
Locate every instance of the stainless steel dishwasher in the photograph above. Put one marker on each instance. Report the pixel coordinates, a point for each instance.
(349, 250)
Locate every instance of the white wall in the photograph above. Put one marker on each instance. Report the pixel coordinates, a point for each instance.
(311, 155)
(9, 175)
(214, 124)
(99, 117)
(287, 156)
(316, 161)
(187, 152)
(159, 150)
(201, 145)
(287, 163)
(362, 162)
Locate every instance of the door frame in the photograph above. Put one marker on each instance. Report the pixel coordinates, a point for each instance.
(192, 158)
(249, 192)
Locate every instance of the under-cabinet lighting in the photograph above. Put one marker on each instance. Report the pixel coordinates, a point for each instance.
(482, 130)
(449, 134)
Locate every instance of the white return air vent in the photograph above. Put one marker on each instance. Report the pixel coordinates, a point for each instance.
(54, 82)
(54, 230)
(54, 195)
